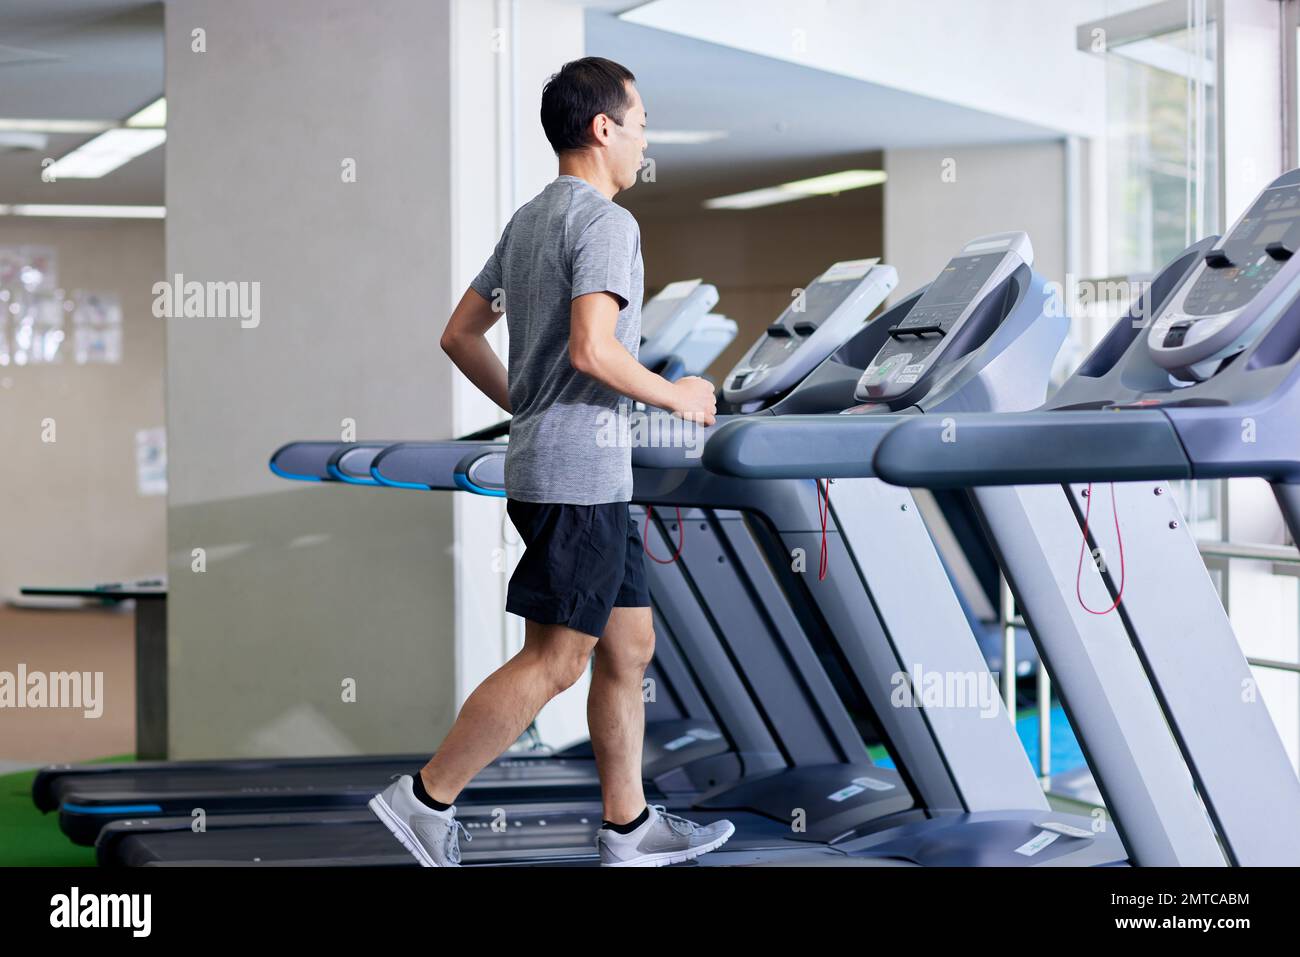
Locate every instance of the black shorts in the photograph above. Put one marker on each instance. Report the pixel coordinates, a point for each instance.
(581, 562)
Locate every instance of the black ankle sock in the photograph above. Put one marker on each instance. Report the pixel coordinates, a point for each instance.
(628, 828)
(417, 785)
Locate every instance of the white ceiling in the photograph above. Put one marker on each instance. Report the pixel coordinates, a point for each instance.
(776, 110)
(784, 120)
(79, 60)
(103, 59)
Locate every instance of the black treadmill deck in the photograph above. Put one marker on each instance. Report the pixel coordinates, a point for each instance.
(531, 835)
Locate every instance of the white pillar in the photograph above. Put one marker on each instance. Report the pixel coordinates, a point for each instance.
(1250, 100)
(1263, 606)
(308, 590)
(504, 51)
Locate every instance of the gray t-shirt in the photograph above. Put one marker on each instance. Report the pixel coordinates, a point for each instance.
(568, 434)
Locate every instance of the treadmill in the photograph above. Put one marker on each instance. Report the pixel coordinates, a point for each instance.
(724, 587)
(1206, 385)
(982, 336)
(806, 729)
(842, 801)
(681, 337)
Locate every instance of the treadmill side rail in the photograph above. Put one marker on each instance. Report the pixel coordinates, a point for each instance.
(1031, 448)
(798, 446)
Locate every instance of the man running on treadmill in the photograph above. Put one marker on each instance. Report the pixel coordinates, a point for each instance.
(568, 274)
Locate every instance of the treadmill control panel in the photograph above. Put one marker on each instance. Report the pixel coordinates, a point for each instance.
(921, 338)
(668, 318)
(1206, 322)
(821, 319)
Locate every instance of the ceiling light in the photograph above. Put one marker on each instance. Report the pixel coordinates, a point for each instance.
(153, 116)
(55, 126)
(68, 209)
(22, 140)
(684, 137)
(799, 189)
(106, 153)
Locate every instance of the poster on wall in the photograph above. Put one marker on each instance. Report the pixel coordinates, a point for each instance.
(31, 306)
(38, 329)
(35, 311)
(30, 268)
(151, 461)
(97, 321)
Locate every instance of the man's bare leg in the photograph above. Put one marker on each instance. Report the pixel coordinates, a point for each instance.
(616, 711)
(502, 707)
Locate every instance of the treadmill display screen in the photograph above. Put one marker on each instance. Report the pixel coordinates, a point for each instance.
(813, 308)
(1275, 218)
(774, 350)
(913, 344)
(655, 315)
(959, 283)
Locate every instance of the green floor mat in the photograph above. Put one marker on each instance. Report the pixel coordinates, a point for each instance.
(29, 838)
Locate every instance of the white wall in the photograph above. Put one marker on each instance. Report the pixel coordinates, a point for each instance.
(756, 257)
(1263, 606)
(307, 587)
(71, 510)
(994, 189)
(1014, 58)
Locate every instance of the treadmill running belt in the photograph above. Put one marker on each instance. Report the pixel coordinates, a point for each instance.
(356, 839)
(88, 803)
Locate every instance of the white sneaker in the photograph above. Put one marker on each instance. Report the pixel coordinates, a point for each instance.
(662, 839)
(431, 836)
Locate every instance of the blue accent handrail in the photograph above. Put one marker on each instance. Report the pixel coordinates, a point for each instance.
(290, 475)
(113, 808)
(463, 482)
(392, 483)
(342, 476)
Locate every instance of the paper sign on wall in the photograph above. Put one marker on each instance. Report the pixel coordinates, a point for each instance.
(151, 461)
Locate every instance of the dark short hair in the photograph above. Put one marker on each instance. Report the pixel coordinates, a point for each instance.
(582, 90)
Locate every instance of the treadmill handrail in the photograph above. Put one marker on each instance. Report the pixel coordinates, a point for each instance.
(482, 472)
(673, 442)
(355, 474)
(799, 446)
(426, 465)
(1032, 448)
(308, 461)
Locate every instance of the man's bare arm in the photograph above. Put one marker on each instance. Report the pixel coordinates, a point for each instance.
(596, 351)
(465, 342)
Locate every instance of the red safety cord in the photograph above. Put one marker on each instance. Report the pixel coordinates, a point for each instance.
(681, 537)
(1078, 575)
(823, 512)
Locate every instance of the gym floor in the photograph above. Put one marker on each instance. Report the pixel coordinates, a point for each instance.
(101, 639)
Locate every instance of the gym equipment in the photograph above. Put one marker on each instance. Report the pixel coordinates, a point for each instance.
(983, 335)
(818, 321)
(1201, 380)
(671, 317)
(1004, 320)
(805, 740)
(89, 796)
